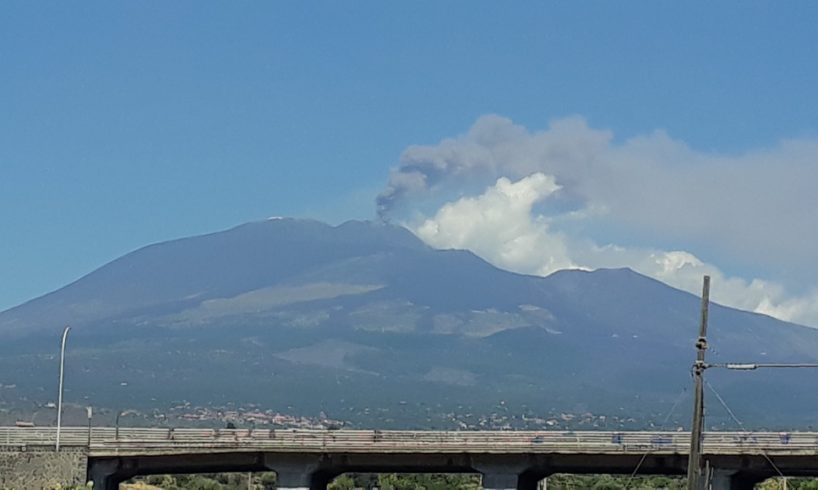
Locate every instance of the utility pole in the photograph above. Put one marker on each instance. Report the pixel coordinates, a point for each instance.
(697, 477)
(694, 462)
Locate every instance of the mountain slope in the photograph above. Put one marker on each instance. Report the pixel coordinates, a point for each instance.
(364, 317)
(179, 273)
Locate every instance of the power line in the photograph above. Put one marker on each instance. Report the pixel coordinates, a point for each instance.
(741, 425)
(661, 426)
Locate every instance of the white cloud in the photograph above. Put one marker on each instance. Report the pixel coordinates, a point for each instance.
(755, 208)
(501, 226)
(573, 196)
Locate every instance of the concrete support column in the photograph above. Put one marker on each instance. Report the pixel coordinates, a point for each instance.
(721, 479)
(297, 472)
(731, 480)
(743, 482)
(104, 474)
(508, 481)
(500, 481)
(294, 479)
(504, 473)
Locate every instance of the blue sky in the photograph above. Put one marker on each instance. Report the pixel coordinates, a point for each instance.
(127, 124)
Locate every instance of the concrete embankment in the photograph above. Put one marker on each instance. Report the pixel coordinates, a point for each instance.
(40, 468)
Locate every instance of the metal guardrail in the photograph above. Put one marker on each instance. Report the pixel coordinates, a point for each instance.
(109, 440)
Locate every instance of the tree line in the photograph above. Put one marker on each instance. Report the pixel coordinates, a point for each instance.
(401, 481)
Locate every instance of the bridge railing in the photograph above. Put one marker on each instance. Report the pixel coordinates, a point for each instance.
(181, 439)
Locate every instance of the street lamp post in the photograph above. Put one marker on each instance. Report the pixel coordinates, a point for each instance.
(90, 413)
(59, 398)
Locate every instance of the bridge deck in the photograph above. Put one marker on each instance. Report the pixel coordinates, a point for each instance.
(107, 441)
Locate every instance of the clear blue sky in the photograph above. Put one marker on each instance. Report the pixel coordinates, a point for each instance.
(126, 123)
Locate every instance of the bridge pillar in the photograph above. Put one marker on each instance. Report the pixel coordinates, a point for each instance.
(294, 472)
(499, 481)
(504, 473)
(731, 480)
(721, 479)
(104, 474)
(300, 479)
(508, 481)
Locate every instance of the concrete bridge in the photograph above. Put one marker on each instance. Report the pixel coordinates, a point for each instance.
(310, 459)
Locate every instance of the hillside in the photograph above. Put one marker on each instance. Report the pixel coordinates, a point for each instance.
(366, 323)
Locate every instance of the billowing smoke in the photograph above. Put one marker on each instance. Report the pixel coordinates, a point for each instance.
(494, 147)
(571, 196)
